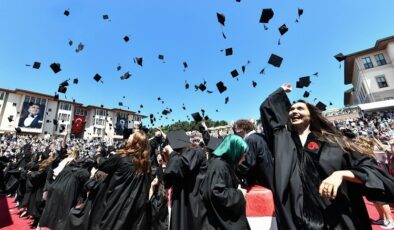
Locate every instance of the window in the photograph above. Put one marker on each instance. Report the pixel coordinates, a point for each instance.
(65, 106)
(100, 112)
(381, 80)
(39, 101)
(380, 59)
(81, 112)
(64, 117)
(367, 63)
(2, 95)
(363, 94)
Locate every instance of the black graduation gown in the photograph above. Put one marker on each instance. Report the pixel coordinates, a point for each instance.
(122, 201)
(258, 165)
(62, 196)
(184, 174)
(158, 212)
(225, 203)
(348, 210)
(33, 199)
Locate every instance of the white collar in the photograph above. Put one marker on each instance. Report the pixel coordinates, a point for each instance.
(250, 133)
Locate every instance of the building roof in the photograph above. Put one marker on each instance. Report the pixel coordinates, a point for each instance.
(377, 105)
(380, 44)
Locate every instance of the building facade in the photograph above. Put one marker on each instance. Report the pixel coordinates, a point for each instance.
(36, 113)
(371, 73)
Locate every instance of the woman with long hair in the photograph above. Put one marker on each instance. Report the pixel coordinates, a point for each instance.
(320, 177)
(122, 201)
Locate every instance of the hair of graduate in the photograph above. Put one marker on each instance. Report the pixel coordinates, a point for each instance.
(325, 131)
(73, 153)
(245, 125)
(138, 149)
(46, 163)
(365, 144)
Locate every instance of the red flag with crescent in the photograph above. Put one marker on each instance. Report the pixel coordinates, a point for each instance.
(78, 124)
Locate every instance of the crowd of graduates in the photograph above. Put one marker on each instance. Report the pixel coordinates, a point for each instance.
(318, 175)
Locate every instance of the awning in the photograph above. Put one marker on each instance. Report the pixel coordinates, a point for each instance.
(377, 105)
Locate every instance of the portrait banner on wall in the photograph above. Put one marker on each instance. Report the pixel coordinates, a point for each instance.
(32, 114)
(78, 124)
(121, 124)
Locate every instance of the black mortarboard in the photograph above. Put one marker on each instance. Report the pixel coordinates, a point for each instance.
(213, 143)
(62, 89)
(202, 87)
(221, 87)
(118, 67)
(300, 12)
(10, 118)
(348, 133)
(254, 84)
(126, 38)
(141, 106)
(125, 76)
(275, 60)
(97, 77)
(178, 139)
(56, 97)
(62, 128)
(36, 65)
(266, 15)
(283, 29)
(64, 83)
(185, 65)
(320, 105)
(105, 17)
(161, 57)
(120, 103)
(55, 67)
(330, 103)
(206, 117)
(229, 51)
(166, 112)
(18, 130)
(226, 100)
(138, 61)
(70, 42)
(303, 82)
(79, 47)
(306, 94)
(186, 85)
(234, 73)
(55, 122)
(221, 18)
(340, 57)
(197, 117)
(127, 133)
(75, 81)
(66, 12)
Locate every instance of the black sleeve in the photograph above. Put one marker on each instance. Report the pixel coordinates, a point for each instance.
(274, 113)
(378, 185)
(109, 165)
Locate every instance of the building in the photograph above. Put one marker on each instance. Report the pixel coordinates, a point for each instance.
(371, 73)
(36, 113)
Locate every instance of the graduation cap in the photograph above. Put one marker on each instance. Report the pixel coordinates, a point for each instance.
(202, 87)
(300, 12)
(340, 57)
(186, 85)
(229, 51)
(185, 65)
(97, 77)
(141, 106)
(320, 105)
(213, 143)
(62, 128)
(197, 117)
(221, 87)
(36, 65)
(56, 97)
(330, 103)
(127, 133)
(55, 67)
(126, 38)
(105, 17)
(64, 83)
(234, 73)
(262, 71)
(79, 47)
(70, 42)
(120, 103)
(55, 122)
(306, 94)
(10, 118)
(275, 60)
(183, 107)
(316, 74)
(166, 112)
(221, 18)
(66, 12)
(161, 57)
(226, 100)
(125, 76)
(266, 15)
(283, 29)
(118, 67)
(62, 89)
(303, 82)
(18, 130)
(178, 139)
(138, 61)
(254, 84)
(75, 81)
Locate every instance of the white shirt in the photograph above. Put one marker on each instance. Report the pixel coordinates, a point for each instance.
(29, 120)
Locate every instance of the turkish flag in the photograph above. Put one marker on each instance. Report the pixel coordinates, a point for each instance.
(78, 124)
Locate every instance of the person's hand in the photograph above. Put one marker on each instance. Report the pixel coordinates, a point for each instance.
(329, 186)
(154, 182)
(242, 190)
(168, 149)
(286, 87)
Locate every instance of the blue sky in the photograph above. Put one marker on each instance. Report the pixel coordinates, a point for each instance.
(188, 31)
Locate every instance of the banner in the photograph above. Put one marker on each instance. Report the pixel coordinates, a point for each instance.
(121, 124)
(32, 115)
(78, 124)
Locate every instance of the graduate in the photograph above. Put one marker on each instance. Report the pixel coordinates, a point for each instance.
(223, 198)
(122, 202)
(320, 177)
